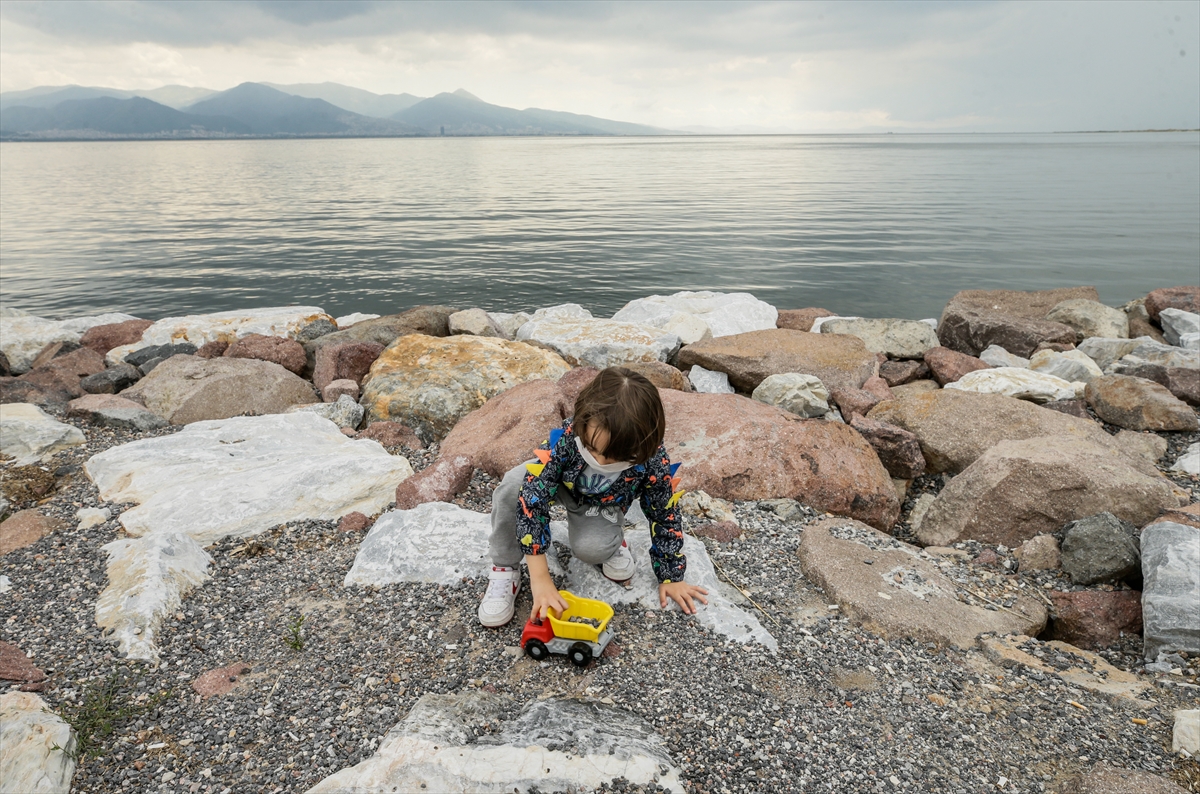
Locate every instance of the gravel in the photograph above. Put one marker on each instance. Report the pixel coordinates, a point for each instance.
(332, 670)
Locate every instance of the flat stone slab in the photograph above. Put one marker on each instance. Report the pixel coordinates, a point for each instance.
(1023, 384)
(890, 588)
(1171, 588)
(436, 749)
(29, 434)
(722, 313)
(32, 744)
(441, 543)
(600, 343)
(1072, 665)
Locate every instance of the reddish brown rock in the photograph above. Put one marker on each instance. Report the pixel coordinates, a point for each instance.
(344, 361)
(46, 355)
(800, 319)
(720, 531)
(441, 481)
(1189, 515)
(5, 366)
(1105, 779)
(732, 447)
(427, 320)
(287, 353)
(899, 450)
(1138, 404)
(879, 387)
(103, 338)
(85, 407)
(1077, 408)
(948, 365)
(24, 528)
(333, 390)
(354, 522)
(854, 401)
(214, 349)
(1095, 619)
(662, 375)
(508, 427)
(988, 558)
(59, 378)
(15, 390)
(1184, 383)
(574, 382)
(1186, 298)
(975, 319)
(839, 360)
(392, 434)
(16, 666)
(896, 373)
(220, 681)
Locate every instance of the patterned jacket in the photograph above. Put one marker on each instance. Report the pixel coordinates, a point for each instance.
(652, 482)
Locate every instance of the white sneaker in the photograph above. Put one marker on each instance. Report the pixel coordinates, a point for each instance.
(496, 609)
(620, 566)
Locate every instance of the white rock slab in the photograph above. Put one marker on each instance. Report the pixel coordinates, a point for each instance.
(22, 335)
(1071, 366)
(1105, 350)
(707, 381)
(147, 580)
(724, 313)
(563, 311)
(286, 321)
(1190, 342)
(5, 584)
(434, 749)
(29, 434)
(600, 343)
(1176, 323)
(508, 323)
(1185, 736)
(35, 747)
(347, 320)
(796, 392)
(719, 615)
(1189, 461)
(1151, 352)
(241, 476)
(1023, 384)
(997, 356)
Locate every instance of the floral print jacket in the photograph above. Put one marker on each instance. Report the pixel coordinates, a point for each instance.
(652, 482)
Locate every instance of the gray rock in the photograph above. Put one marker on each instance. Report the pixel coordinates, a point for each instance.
(1099, 548)
(147, 367)
(345, 412)
(1090, 318)
(315, 330)
(1104, 351)
(1072, 366)
(999, 357)
(707, 381)
(1151, 352)
(146, 354)
(475, 322)
(1177, 323)
(1171, 580)
(903, 339)
(509, 324)
(111, 380)
(138, 419)
(803, 395)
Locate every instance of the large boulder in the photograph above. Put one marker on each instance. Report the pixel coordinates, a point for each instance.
(29, 434)
(508, 427)
(197, 329)
(976, 319)
(1139, 404)
(1095, 619)
(1019, 489)
(103, 338)
(1186, 298)
(893, 590)
(948, 365)
(1171, 580)
(956, 427)
(841, 362)
(1099, 548)
(23, 336)
(723, 314)
(735, 448)
(37, 748)
(902, 339)
(801, 319)
(60, 377)
(1071, 365)
(1023, 384)
(344, 361)
(186, 389)
(430, 383)
(287, 353)
(600, 343)
(1090, 318)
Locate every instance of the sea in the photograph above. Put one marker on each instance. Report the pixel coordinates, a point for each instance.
(868, 225)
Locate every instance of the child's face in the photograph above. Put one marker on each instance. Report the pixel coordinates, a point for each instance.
(596, 437)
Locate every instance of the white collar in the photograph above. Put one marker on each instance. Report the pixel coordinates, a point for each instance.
(603, 468)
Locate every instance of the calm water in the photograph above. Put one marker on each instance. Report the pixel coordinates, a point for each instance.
(885, 225)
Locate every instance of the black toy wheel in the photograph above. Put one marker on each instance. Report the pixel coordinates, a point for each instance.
(536, 650)
(581, 654)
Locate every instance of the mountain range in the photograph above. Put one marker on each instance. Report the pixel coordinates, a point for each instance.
(273, 110)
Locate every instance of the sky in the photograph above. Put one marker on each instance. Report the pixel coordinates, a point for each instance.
(750, 66)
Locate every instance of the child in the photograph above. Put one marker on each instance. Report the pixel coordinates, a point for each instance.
(609, 454)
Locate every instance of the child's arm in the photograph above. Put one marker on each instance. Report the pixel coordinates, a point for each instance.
(666, 536)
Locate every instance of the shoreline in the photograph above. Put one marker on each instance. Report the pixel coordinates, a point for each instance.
(875, 700)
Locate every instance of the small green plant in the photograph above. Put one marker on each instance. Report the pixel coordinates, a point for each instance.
(294, 638)
(104, 708)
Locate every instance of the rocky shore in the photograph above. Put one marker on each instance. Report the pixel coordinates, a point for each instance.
(242, 552)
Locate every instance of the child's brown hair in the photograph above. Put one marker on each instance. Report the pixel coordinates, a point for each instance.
(627, 405)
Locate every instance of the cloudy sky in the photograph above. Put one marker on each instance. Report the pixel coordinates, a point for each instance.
(803, 67)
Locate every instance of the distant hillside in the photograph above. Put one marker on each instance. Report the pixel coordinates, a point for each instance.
(461, 113)
(136, 116)
(267, 111)
(175, 96)
(353, 99)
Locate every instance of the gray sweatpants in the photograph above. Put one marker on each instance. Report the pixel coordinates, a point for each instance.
(595, 533)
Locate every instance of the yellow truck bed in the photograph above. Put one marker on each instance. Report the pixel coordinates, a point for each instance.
(584, 608)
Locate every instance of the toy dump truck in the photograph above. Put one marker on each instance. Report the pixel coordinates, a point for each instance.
(581, 632)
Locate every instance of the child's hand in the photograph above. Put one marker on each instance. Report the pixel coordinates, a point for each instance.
(682, 593)
(545, 598)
